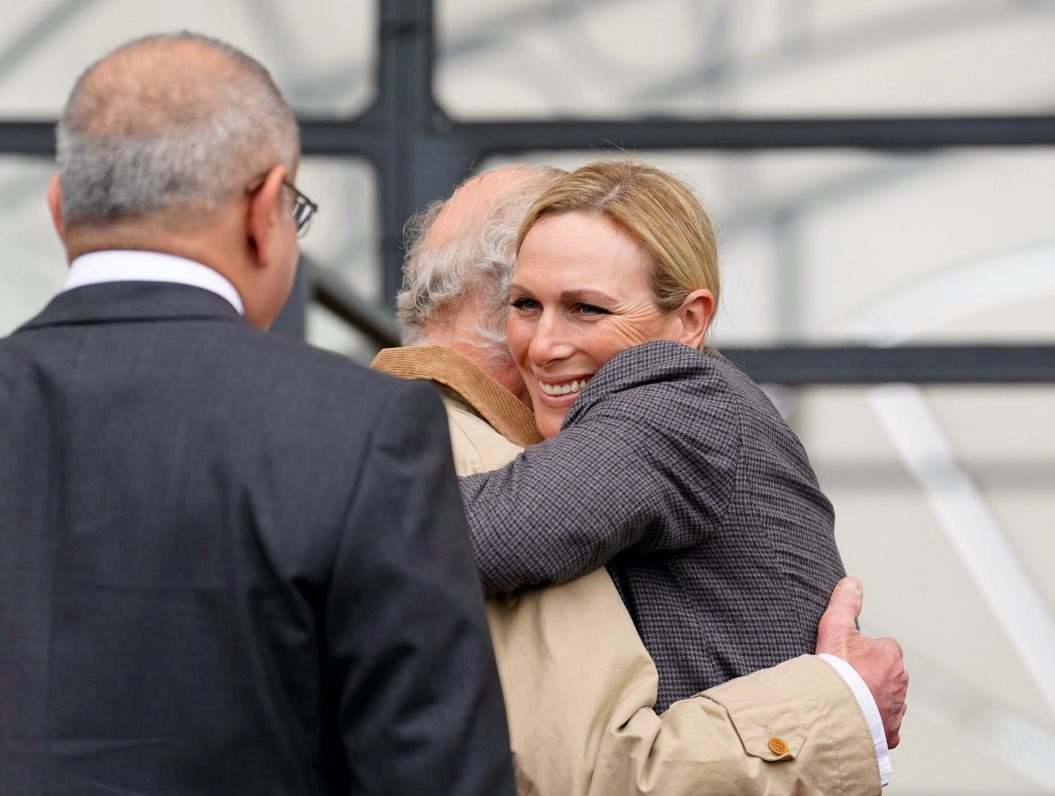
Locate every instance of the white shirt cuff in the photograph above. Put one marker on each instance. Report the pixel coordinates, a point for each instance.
(871, 713)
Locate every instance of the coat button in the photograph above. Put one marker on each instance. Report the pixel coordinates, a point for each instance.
(778, 747)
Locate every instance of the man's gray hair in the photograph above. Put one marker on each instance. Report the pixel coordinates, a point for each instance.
(476, 263)
(130, 143)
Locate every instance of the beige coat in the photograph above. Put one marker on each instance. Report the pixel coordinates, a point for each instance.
(580, 686)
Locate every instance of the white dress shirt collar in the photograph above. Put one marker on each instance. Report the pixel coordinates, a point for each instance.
(142, 266)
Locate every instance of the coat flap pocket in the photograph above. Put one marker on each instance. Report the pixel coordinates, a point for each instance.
(766, 728)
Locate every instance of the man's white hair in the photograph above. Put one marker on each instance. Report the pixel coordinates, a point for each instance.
(474, 264)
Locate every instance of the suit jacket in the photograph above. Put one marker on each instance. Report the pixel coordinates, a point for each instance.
(677, 472)
(580, 687)
(229, 564)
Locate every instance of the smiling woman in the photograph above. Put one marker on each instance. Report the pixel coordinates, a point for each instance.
(663, 461)
(581, 295)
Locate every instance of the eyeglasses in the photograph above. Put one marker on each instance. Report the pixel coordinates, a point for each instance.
(303, 207)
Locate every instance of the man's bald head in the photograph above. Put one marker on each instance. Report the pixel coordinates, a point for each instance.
(468, 208)
(460, 261)
(169, 125)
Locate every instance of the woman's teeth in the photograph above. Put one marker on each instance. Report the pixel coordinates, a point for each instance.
(562, 389)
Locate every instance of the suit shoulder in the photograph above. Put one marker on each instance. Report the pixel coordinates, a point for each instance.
(281, 375)
(316, 364)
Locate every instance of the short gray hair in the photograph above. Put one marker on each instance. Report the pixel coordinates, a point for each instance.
(475, 263)
(131, 142)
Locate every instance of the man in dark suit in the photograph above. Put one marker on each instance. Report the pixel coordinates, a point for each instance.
(229, 563)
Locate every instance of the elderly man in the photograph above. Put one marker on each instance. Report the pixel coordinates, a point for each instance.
(578, 683)
(229, 563)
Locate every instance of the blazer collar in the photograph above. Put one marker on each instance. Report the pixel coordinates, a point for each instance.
(121, 302)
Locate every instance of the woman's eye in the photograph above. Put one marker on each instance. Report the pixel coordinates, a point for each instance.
(590, 309)
(524, 304)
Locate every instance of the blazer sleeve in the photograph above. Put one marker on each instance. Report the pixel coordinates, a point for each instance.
(640, 470)
(418, 698)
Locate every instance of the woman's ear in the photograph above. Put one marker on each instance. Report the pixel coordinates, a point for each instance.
(265, 213)
(694, 317)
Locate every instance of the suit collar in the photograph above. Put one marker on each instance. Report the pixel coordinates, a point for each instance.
(122, 302)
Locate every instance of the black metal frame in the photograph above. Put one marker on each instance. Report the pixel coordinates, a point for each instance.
(420, 153)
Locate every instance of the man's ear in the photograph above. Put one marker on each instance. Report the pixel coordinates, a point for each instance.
(55, 206)
(265, 213)
(694, 317)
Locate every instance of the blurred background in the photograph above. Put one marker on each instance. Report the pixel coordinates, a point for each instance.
(882, 176)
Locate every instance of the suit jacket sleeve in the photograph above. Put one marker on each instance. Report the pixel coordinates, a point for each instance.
(419, 702)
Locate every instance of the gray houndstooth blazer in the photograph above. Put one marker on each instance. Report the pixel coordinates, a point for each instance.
(675, 470)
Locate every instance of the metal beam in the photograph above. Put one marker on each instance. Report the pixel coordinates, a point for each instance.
(884, 134)
(946, 364)
(367, 137)
(27, 138)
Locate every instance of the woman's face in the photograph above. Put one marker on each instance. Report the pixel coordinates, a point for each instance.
(580, 295)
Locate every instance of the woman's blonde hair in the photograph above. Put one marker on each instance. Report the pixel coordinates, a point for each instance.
(654, 208)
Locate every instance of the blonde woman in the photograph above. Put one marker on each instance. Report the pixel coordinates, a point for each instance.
(671, 466)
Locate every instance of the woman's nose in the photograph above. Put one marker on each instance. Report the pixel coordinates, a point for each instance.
(550, 342)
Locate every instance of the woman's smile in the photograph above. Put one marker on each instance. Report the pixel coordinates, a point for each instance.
(560, 389)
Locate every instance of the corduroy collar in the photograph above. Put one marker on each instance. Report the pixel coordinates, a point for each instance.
(495, 403)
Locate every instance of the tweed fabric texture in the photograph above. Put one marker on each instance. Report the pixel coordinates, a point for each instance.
(675, 470)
